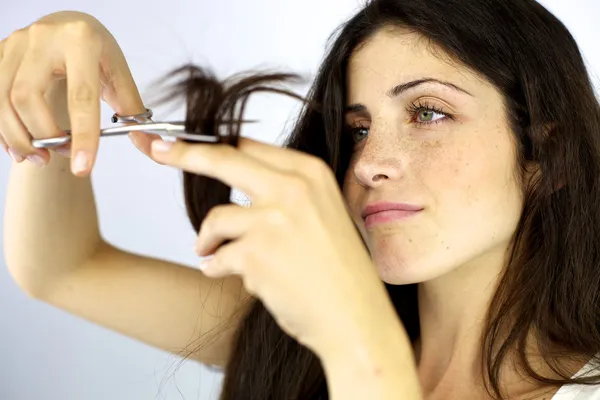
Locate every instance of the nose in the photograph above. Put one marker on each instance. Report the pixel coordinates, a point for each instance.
(377, 163)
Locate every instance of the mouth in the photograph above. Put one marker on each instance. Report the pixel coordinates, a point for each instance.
(380, 213)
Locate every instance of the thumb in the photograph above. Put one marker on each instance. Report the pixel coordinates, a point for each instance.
(143, 142)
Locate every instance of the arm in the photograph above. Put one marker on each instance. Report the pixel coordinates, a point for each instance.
(56, 254)
(375, 361)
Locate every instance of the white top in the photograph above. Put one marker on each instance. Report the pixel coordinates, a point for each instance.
(579, 392)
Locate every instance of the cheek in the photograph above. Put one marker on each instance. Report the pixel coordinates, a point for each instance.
(353, 194)
(476, 197)
(467, 169)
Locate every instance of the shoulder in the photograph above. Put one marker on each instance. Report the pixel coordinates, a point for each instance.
(578, 392)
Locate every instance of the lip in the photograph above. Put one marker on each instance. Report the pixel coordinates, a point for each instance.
(378, 213)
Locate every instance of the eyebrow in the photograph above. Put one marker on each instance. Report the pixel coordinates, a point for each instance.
(403, 87)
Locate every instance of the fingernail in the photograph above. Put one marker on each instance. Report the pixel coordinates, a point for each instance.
(204, 265)
(64, 152)
(16, 157)
(37, 160)
(206, 262)
(161, 146)
(80, 162)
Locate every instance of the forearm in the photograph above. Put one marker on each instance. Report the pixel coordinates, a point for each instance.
(50, 219)
(379, 364)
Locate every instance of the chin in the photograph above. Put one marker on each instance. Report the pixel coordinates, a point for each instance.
(396, 272)
(402, 266)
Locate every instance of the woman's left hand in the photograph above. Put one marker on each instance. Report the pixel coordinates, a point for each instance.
(296, 247)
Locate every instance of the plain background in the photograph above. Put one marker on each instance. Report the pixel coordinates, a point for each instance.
(46, 354)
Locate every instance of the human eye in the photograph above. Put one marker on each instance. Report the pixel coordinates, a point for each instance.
(422, 114)
(426, 114)
(358, 132)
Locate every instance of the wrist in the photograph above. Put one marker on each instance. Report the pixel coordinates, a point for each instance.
(374, 352)
(361, 330)
(380, 370)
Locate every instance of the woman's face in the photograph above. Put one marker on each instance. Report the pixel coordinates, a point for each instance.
(432, 135)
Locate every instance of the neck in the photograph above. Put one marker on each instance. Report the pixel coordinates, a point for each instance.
(452, 312)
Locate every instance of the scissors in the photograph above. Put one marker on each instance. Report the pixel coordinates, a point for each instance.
(143, 124)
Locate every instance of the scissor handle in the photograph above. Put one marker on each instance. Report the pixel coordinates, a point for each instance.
(50, 142)
(146, 116)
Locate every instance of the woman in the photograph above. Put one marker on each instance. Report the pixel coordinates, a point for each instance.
(464, 139)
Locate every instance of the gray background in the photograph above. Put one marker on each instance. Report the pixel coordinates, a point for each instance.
(48, 354)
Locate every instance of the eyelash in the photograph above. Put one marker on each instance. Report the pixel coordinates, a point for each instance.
(413, 109)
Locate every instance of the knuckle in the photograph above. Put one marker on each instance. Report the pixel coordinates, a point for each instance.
(80, 30)
(212, 218)
(35, 53)
(317, 169)
(16, 37)
(315, 164)
(276, 216)
(295, 188)
(17, 145)
(21, 92)
(39, 31)
(83, 94)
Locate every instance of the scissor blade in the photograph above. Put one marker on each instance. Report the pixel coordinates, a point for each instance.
(169, 129)
(161, 128)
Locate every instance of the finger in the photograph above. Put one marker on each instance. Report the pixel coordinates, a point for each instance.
(2, 142)
(221, 162)
(275, 156)
(83, 99)
(222, 223)
(13, 132)
(64, 150)
(230, 222)
(143, 142)
(120, 91)
(31, 82)
(122, 94)
(227, 260)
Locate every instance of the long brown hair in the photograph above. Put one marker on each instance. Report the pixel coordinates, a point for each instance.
(551, 284)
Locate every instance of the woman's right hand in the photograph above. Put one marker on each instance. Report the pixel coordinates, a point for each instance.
(70, 45)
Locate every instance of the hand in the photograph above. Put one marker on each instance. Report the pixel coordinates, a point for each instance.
(296, 247)
(62, 45)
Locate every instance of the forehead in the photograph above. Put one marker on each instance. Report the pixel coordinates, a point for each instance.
(393, 55)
